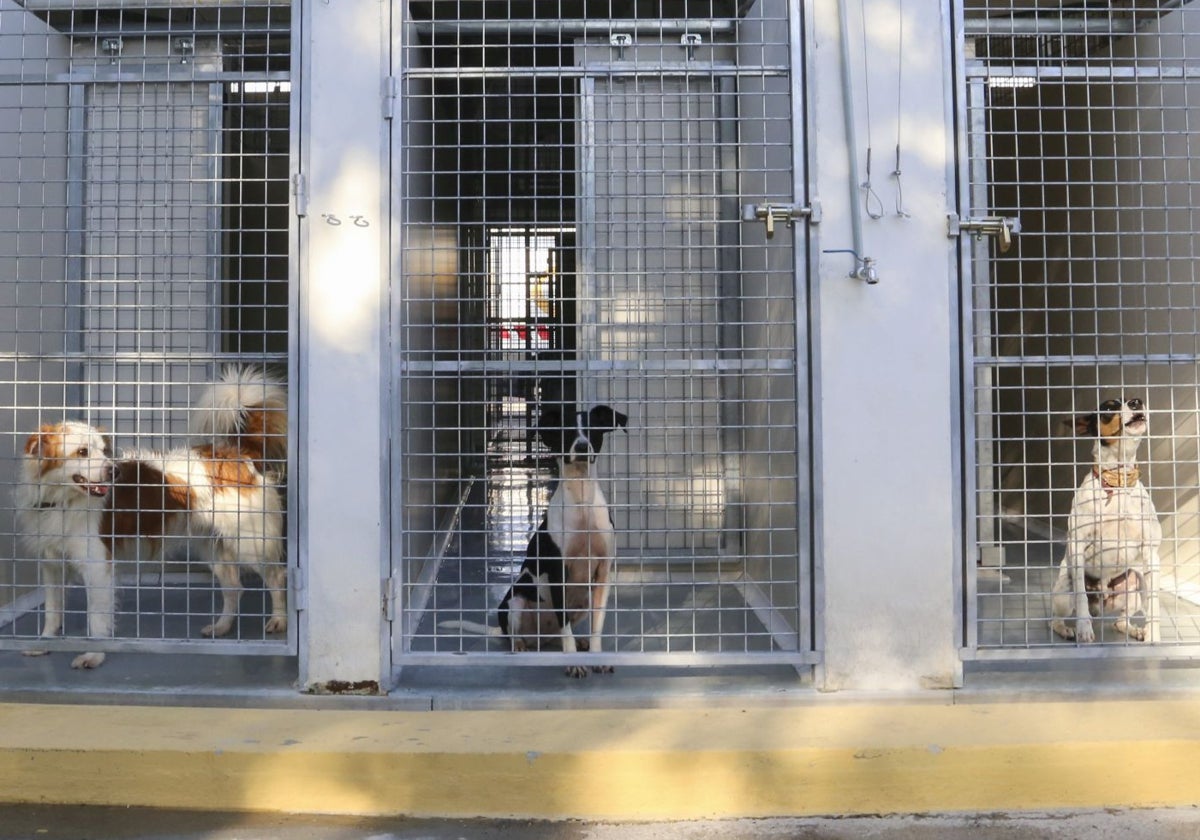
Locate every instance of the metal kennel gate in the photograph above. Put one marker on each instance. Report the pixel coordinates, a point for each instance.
(1081, 163)
(572, 234)
(145, 153)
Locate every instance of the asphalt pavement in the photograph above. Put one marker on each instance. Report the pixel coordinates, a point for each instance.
(33, 822)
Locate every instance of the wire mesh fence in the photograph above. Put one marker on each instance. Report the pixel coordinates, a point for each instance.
(1079, 126)
(573, 238)
(144, 160)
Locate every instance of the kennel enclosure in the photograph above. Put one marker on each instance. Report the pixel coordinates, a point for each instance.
(1079, 131)
(574, 236)
(144, 160)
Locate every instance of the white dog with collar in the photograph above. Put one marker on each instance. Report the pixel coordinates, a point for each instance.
(1113, 534)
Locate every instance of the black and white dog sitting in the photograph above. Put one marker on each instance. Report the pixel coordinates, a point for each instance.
(1113, 533)
(569, 563)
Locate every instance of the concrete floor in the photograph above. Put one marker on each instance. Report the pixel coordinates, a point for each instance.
(78, 823)
(1014, 599)
(678, 601)
(695, 604)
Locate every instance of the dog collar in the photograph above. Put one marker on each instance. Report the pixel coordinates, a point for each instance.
(1117, 477)
(46, 505)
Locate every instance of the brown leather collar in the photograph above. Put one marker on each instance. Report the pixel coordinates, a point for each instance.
(1117, 477)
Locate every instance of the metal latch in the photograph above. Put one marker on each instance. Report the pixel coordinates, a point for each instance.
(112, 47)
(619, 41)
(1002, 227)
(789, 213)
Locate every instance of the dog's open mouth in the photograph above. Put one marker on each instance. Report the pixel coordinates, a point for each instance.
(88, 487)
(1136, 424)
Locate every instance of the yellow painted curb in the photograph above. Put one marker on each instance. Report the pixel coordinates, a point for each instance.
(607, 764)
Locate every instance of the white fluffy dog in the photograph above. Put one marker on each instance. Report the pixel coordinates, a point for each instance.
(79, 508)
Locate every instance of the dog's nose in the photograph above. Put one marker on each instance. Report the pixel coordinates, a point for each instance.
(581, 446)
(1135, 404)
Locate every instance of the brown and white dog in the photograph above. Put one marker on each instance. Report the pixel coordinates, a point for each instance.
(80, 509)
(245, 408)
(569, 562)
(1113, 534)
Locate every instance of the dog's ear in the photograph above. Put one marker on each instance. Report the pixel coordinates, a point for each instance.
(45, 442)
(606, 419)
(36, 443)
(1086, 425)
(603, 419)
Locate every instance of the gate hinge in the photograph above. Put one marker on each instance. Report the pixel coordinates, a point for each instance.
(300, 191)
(1002, 227)
(391, 594)
(391, 92)
(298, 589)
(789, 213)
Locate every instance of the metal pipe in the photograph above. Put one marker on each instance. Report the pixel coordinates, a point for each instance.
(1050, 25)
(1046, 26)
(856, 235)
(570, 26)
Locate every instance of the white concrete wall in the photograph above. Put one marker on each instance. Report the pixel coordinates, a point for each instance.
(342, 274)
(887, 399)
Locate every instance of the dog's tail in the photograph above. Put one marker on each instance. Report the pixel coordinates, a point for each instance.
(471, 627)
(245, 407)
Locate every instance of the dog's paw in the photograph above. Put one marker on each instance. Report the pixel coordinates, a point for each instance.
(1062, 628)
(603, 669)
(277, 624)
(34, 652)
(1084, 633)
(1138, 634)
(217, 628)
(87, 661)
(576, 671)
